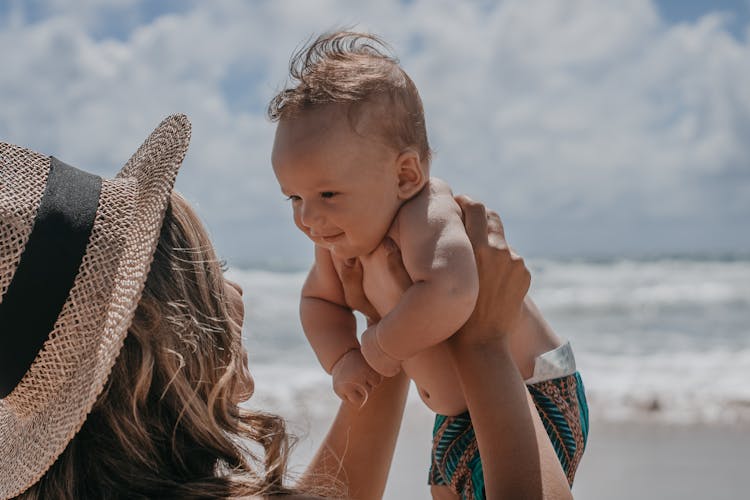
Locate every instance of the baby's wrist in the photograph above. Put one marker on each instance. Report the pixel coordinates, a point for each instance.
(346, 354)
(379, 345)
(376, 357)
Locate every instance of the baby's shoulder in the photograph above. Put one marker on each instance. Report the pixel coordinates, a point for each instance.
(432, 212)
(439, 188)
(435, 200)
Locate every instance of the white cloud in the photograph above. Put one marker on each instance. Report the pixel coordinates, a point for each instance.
(581, 121)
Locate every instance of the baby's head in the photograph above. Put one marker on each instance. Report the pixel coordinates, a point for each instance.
(351, 144)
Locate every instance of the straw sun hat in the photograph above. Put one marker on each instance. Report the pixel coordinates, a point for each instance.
(75, 251)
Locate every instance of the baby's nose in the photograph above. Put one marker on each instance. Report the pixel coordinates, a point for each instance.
(310, 216)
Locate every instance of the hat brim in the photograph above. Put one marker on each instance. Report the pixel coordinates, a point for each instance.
(50, 404)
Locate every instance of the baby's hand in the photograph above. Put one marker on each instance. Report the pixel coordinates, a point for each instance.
(353, 379)
(379, 360)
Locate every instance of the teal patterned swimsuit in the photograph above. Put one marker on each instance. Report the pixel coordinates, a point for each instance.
(561, 403)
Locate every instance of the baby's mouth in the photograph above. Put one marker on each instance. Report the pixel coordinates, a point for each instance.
(332, 238)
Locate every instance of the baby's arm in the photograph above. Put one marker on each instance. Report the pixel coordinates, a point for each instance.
(439, 258)
(330, 328)
(328, 323)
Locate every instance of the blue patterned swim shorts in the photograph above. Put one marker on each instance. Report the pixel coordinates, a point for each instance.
(561, 403)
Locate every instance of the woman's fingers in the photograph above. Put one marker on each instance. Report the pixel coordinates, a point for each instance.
(354, 294)
(495, 230)
(475, 220)
(351, 278)
(396, 264)
(374, 379)
(503, 277)
(473, 212)
(352, 272)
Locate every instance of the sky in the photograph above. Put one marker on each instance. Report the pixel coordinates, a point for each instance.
(596, 128)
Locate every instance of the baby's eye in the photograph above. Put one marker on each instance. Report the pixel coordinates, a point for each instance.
(293, 197)
(223, 265)
(328, 194)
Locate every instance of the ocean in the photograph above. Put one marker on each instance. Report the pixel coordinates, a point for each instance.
(656, 340)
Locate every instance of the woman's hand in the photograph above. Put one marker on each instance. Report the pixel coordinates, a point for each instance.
(518, 458)
(354, 294)
(503, 278)
(351, 278)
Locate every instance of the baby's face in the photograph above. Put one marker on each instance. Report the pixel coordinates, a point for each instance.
(343, 186)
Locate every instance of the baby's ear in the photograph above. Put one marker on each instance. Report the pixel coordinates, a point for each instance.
(411, 176)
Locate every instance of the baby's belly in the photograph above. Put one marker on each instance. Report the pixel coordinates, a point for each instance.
(433, 373)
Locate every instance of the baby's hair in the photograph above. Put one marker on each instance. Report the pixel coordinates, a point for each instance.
(353, 69)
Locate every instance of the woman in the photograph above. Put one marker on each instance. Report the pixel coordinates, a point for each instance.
(120, 382)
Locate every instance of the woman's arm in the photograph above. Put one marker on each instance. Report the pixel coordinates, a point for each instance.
(517, 456)
(358, 449)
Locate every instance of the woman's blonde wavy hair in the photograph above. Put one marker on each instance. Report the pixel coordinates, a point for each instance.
(168, 424)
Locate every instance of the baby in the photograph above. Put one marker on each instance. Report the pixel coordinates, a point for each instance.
(352, 156)
(356, 172)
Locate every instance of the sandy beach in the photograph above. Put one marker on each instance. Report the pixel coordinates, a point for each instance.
(658, 461)
(623, 460)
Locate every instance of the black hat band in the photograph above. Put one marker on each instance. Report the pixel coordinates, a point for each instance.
(47, 268)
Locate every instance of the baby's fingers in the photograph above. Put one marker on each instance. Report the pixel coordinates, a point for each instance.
(351, 392)
(358, 396)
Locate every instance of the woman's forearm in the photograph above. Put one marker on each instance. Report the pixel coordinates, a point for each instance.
(358, 450)
(496, 397)
(517, 458)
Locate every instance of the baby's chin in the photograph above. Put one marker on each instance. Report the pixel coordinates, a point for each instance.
(343, 252)
(339, 253)
(343, 249)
